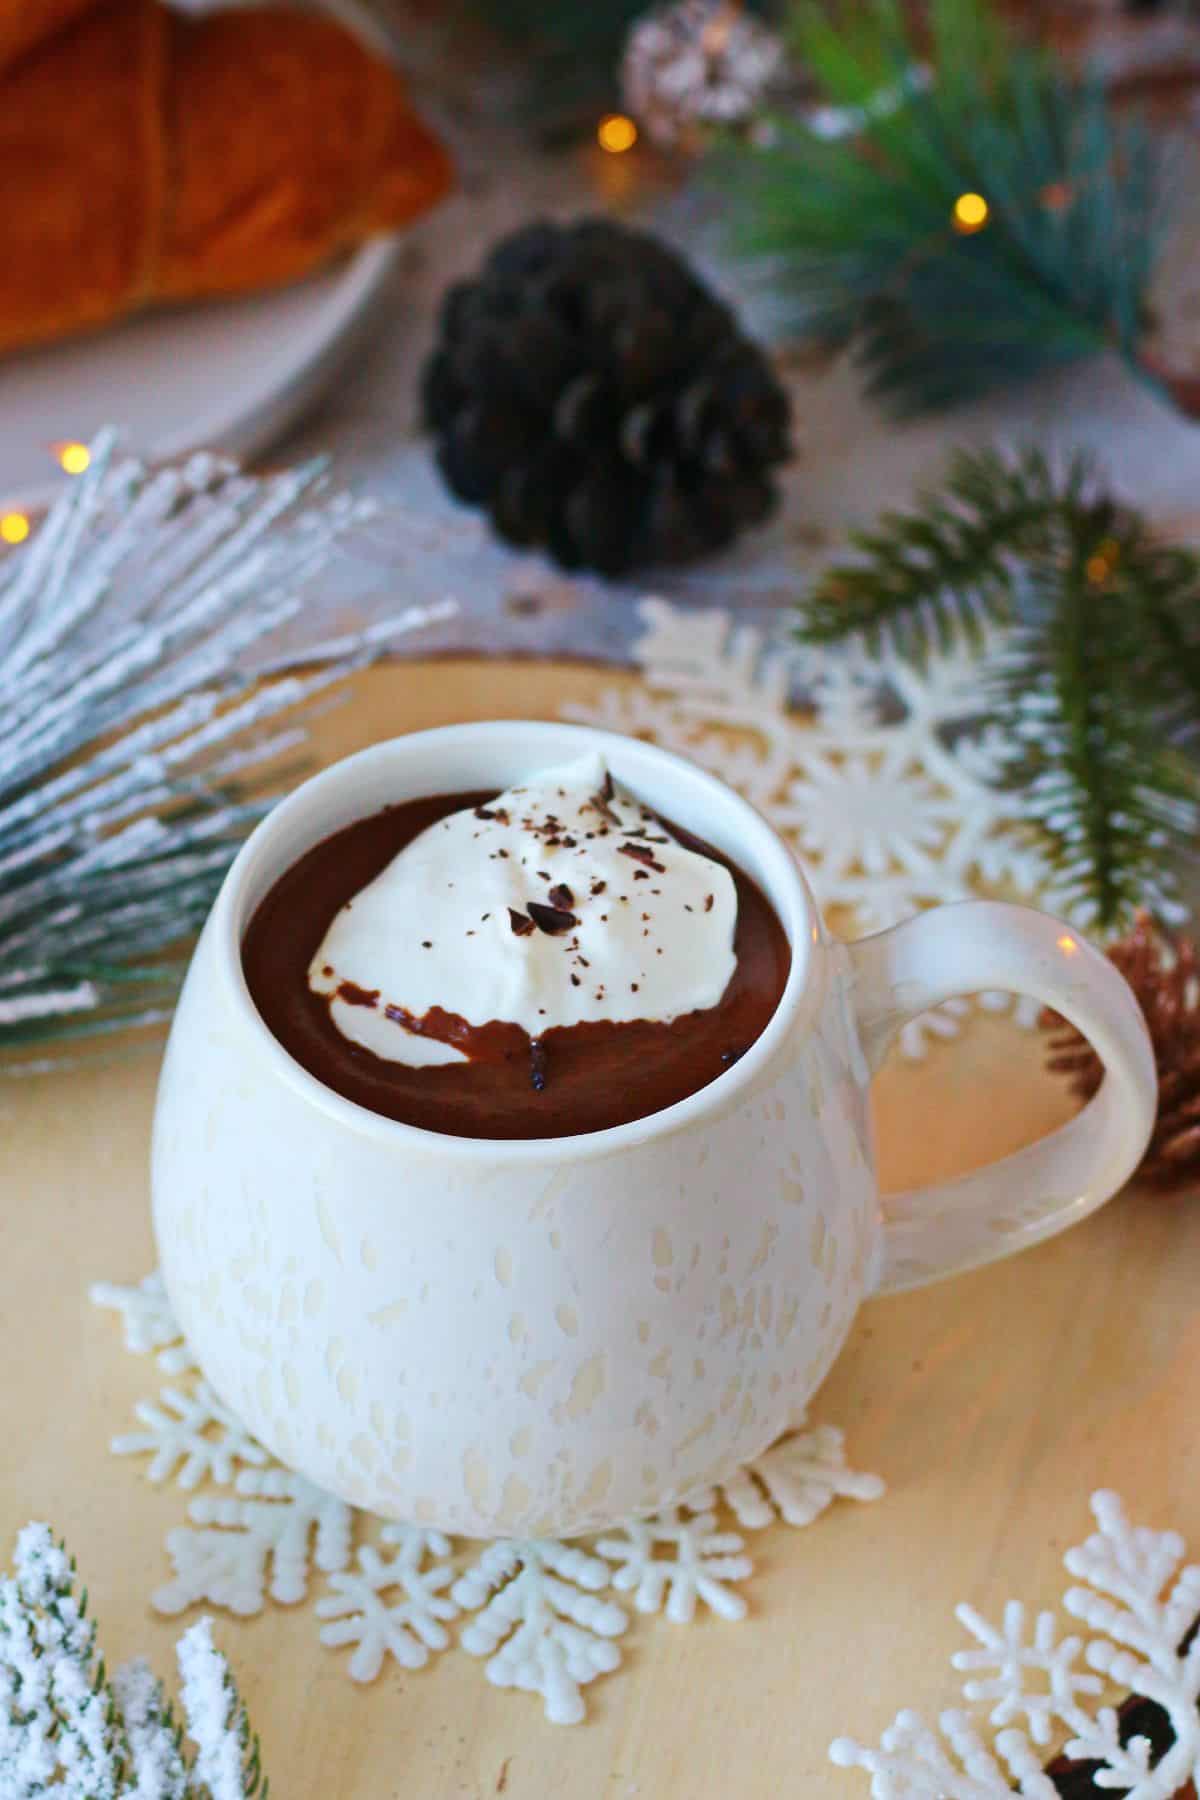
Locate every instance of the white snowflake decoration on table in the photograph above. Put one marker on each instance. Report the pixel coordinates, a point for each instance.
(412, 1627)
(885, 784)
(1140, 1606)
(542, 1612)
(796, 1480)
(147, 1319)
(540, 1621)
(699, 1564)
(177, 1437)
(273, 1525)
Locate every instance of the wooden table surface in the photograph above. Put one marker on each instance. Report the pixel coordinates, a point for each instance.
(993, 1405)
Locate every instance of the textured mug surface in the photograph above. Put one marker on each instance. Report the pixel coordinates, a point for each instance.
(543, 1337)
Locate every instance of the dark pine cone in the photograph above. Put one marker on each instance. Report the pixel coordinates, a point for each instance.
(593, 395)
(1163, 975)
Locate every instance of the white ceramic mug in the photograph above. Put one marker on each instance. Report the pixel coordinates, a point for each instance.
(545, 1336)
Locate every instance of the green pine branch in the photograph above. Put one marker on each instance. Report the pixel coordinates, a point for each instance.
(1098, 689)
(939, 570)
(1110, 796)
(860, 230)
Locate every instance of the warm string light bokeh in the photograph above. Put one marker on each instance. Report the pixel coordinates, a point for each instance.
(74, 458)
(970, 213)
(616, 133)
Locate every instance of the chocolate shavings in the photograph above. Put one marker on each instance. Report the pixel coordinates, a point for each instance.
(553, 920)
(642, 853)
(561, 895)
(522, 925)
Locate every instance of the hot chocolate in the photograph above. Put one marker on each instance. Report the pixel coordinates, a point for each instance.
(551, 960)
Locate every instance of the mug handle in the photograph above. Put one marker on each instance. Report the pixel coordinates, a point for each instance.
(972, 947)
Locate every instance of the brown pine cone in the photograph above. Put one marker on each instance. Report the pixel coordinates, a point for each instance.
(1163, 973)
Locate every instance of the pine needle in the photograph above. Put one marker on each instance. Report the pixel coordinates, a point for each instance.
(1097, 772)
(942, 569)
(862, 232)
(1097, 687)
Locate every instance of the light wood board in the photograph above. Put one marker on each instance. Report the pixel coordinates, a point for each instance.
(992, 1405)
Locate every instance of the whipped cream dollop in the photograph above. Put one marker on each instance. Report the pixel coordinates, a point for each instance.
(563, 900)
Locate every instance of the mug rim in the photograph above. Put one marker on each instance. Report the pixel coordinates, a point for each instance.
(803, 927)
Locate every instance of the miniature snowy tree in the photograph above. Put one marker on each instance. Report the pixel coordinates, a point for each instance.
(69, 1728)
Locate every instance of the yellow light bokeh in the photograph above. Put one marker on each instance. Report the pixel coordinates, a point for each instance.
(1068, 945)
(74, 458)
(14, 527)
(616, 133)
(970, 213)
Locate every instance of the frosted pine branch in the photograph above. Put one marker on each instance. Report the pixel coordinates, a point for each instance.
(140, 709)
(67, 1727)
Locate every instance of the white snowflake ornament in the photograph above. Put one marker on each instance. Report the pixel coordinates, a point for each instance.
(676, 1560)
(190, 1436)
(406, 1630)
(262, 1539)
(796, 1480)
(1142, 1607)
(148, 1320)
(540, 1621)
(1010, 1659)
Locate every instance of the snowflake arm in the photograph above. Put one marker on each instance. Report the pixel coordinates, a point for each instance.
(148, 1320)
(543, 1628)
(178, 1440)
(796, 1480)
(408, 1630)
(915, 1762)
(674, 1561)
(276, 1522)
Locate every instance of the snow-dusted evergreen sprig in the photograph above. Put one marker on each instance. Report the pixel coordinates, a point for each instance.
(67, 1728)
(140, 705)
(1141, 1606)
